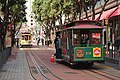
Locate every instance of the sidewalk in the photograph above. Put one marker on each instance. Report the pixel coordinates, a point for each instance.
(16, 68)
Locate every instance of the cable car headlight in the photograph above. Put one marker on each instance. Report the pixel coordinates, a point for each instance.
(22, 41)
(79, 53)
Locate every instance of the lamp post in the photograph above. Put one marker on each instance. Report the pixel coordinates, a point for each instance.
(106, 22)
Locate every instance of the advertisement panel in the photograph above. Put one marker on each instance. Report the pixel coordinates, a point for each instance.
(96, 52)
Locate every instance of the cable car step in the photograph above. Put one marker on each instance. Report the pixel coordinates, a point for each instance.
(58, 59)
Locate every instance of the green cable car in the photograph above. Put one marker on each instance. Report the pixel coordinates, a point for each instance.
(80, 42)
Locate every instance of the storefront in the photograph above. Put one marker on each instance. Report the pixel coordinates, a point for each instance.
(114, 24)
(113, 16)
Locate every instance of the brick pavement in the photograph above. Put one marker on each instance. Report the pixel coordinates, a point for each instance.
(16, 68)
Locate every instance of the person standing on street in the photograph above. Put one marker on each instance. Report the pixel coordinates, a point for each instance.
(42, 41)
(38, 41)
(17, 42)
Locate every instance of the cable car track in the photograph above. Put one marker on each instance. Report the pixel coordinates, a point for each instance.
(101, 74)
(41, 67)
(30, 68)
(107, 75)
(93, 72)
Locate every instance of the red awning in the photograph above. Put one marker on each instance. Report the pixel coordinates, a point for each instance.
(106, 14)
(85, 26)
(116, 13)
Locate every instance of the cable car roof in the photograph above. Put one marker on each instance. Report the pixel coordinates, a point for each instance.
(85, 26)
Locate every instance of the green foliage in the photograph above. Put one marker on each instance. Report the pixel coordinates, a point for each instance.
(51, 10)
(68, 6)
(0, 6)
(15, 9)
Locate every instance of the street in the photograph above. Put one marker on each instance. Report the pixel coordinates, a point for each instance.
(40, 65)
(59, 39)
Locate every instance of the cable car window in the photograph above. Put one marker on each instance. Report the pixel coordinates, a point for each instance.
(22, 37)
(29, 38)
(76, 37)
(84, 38)
(96, 38)
(26, 37)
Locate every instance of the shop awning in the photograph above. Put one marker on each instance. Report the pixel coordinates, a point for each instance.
(106, 14)
(116, 13)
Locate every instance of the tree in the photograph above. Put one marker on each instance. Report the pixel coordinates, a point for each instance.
(14, 12)
(17, 14)
(90, 5)
(48, 12)
(103, 7)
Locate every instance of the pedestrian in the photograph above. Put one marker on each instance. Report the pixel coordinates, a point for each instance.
(42, 41)
(17, 42)
(38, 41)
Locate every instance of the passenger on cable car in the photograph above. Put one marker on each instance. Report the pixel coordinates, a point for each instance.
(95, 41)
(84, 39)
(57, 47)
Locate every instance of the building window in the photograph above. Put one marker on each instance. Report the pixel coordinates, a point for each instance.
(31, 20)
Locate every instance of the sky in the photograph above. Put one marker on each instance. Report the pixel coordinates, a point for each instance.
(28, 7)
